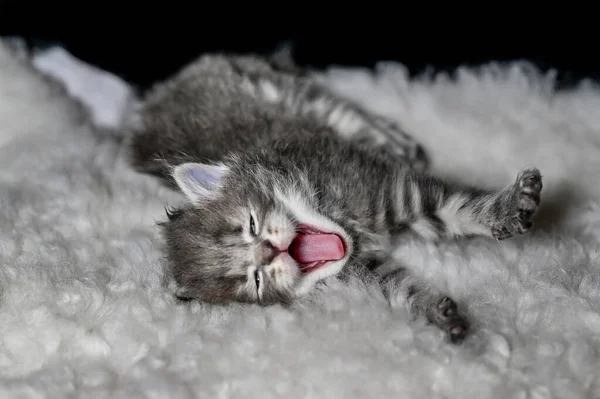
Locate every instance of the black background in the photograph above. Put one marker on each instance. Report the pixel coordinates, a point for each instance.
(144, 42)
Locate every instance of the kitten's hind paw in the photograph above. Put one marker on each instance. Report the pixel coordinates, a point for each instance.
(444, 314)
(524, 204)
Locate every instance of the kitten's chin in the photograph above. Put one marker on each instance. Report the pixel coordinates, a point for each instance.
(314, 266)
(309, 280)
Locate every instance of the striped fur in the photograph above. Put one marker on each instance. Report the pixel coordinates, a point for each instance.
(435, 210)
(290, 154)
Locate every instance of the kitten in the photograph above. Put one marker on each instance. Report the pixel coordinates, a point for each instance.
(287, 184)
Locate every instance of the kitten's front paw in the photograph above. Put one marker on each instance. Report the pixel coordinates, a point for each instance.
(445, 315)
(525, 203)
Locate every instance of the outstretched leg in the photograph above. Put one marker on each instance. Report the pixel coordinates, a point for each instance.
(435, 210)
(310, 99)
(423, 300)
(299, 93)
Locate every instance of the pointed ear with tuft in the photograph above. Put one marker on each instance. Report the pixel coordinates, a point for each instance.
(199, 181)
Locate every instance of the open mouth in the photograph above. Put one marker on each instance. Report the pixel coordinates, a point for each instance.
(313, 249)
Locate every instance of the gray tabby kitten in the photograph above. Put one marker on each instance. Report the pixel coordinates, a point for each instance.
(288, 184)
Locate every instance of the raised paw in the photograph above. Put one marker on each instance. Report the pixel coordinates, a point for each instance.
(444, 314)
(525, 201)
(529, 183)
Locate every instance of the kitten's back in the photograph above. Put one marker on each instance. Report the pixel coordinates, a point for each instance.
(208, 110)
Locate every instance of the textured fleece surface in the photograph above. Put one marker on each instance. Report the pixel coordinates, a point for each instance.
(84, 311)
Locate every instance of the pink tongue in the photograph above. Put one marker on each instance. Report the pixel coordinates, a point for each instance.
(308, 248)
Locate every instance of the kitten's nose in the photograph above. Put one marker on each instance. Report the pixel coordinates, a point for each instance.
(267, 252)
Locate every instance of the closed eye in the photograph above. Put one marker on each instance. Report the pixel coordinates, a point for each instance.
(252, 226)
(258, 281)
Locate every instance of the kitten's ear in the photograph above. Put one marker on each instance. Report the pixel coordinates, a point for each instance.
(199, 181)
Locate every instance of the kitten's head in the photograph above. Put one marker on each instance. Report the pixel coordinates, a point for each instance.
(249, 234)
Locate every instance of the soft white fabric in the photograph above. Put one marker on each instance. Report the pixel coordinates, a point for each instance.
(107, 96)
(83, 311)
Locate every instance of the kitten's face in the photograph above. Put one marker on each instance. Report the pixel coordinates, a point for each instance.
(249, 239)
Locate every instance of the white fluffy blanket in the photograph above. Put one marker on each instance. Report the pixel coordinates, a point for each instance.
(84, 313)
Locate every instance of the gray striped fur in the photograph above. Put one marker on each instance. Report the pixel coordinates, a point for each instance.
(291, 151)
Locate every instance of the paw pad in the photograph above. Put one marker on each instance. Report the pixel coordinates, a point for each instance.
(447, 307)
(528, 189)
(455, 325)
(458, 331)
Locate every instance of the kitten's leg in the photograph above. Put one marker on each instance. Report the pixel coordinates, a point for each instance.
(307, 98)
(435, 210)
(423, 300)
(354, 123)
